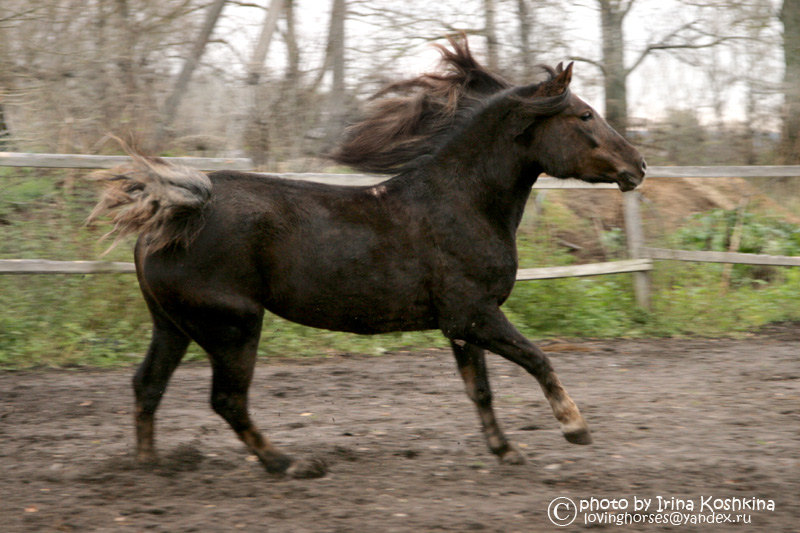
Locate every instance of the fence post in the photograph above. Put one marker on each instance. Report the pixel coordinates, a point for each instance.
(635, 237)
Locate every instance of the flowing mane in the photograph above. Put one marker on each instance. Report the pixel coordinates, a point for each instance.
(407, 119)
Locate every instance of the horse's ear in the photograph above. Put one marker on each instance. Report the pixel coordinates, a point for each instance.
(557, 84)
(563, 76)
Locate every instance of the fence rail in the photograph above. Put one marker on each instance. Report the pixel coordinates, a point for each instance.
(639, 264)
(590, 269)
(45, 266)
(720, 257)
(18, 159)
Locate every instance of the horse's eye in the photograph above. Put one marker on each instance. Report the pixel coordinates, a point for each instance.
(587, 116)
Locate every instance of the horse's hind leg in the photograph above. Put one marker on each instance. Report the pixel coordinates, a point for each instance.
(472, 366)
(167, 347)
(231, 343)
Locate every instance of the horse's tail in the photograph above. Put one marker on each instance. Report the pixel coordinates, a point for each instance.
(153, 198)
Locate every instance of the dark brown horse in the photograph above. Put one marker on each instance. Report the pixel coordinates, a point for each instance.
(431, 248)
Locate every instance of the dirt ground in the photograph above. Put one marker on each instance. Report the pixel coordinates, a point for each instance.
(679, 419)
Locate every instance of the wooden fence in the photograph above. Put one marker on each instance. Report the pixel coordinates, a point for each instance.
(639, 264)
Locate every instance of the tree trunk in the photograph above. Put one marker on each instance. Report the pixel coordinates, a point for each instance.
(257, 129)
(523, 14)
(490, 31)
(292, 48)
(790, 140)
(174, 99)
(612, 15)
(336, 42)
(335, 56)
(256, 66)
(4, 131)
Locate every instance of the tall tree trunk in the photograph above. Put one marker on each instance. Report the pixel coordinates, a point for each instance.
(337, 97)
(257, 129)
(490, 31)
(336, 42)
(750, 153)
(189, 66)
(292, 48)
(126, 42)
(4, 131)
(256, 66)
(299, 107)
(523, 14)
(790, 140)
(612, 15)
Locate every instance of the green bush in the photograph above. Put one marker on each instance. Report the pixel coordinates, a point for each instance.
(759, 235)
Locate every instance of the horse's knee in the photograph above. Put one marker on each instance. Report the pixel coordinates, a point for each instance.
(481, 394)
(138, 383)
(231, 407)
(223, 403)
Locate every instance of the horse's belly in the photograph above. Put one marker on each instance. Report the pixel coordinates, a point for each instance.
(358, 309)
(357, 319)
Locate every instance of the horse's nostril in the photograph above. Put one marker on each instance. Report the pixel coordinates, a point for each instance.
(644, 164)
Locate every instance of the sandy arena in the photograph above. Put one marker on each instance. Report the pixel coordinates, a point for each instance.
(679, 419)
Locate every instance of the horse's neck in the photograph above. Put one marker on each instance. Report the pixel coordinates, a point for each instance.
(486, 179)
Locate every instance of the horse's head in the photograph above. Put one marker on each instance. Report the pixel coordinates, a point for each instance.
(569, 139)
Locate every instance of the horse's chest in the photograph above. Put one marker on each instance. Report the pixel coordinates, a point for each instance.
(486, 265)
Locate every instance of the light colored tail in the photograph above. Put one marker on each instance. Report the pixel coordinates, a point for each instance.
(153, 198)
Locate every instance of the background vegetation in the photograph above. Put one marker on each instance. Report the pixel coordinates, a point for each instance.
(101, 320)
(691, 82)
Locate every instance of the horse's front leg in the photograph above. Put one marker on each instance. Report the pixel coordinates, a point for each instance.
(472, 366)
(492, 331)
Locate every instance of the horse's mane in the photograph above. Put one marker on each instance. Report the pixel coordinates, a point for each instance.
(408, 119)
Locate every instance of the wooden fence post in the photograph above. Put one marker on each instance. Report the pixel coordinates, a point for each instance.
(634, 233)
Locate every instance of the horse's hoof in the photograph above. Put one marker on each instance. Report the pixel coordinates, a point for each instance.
(579, 436)
(307, 469)
(512, 456)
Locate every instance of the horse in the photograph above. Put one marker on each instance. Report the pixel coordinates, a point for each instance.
(432, 247)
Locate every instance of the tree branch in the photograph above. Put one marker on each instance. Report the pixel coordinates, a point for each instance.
(625, 10)
(593, 62)
(682, 46)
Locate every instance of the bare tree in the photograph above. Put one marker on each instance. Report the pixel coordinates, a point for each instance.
(256, 66)
(257, 130)
(740, 66)
(612, 16)
(4, 133)
(292, 47)
(691, 35)
(790, 142)
(70, 72)
(335, 57)
(189, 66)
(490, 31)
(524, 17)
(120, 73)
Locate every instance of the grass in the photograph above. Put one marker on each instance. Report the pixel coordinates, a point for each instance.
(101, 320)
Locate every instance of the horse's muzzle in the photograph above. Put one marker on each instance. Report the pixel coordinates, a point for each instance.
(627, 181)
